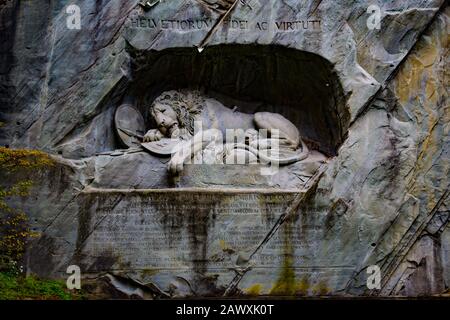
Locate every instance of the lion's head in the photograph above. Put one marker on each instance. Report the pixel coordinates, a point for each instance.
(177, 110)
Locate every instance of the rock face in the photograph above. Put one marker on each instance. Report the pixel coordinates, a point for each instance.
(375, 101)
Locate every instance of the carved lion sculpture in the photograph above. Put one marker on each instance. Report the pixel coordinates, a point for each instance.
(175, 113)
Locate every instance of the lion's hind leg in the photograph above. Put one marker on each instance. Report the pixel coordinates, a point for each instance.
(274, 121)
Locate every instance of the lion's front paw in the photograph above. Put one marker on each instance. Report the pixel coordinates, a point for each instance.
(153, 135)
(176, 163)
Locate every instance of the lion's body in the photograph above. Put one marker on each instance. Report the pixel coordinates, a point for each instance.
(191, 106)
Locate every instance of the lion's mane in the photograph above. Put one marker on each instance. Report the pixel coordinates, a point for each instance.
(187, 104)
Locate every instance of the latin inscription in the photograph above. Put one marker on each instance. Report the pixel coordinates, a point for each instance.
(233, 24)
(172, 230)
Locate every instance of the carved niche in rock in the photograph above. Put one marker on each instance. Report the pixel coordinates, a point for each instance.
(194, 128)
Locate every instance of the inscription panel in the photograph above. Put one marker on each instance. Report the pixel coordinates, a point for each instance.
(200, 231)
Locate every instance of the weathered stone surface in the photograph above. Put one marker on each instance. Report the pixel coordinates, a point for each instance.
(445, 241)
(160, 237)
(375, 101)
(72, 62)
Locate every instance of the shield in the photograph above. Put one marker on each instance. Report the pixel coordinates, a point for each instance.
(130, 125)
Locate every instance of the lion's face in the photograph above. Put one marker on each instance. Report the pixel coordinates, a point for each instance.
(176, 111)
(166, 119)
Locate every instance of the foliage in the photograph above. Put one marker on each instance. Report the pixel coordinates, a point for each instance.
(14, 227)
(15, 230)
(15, 159)
(13, 287)
(14, 233)
(21, 189)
